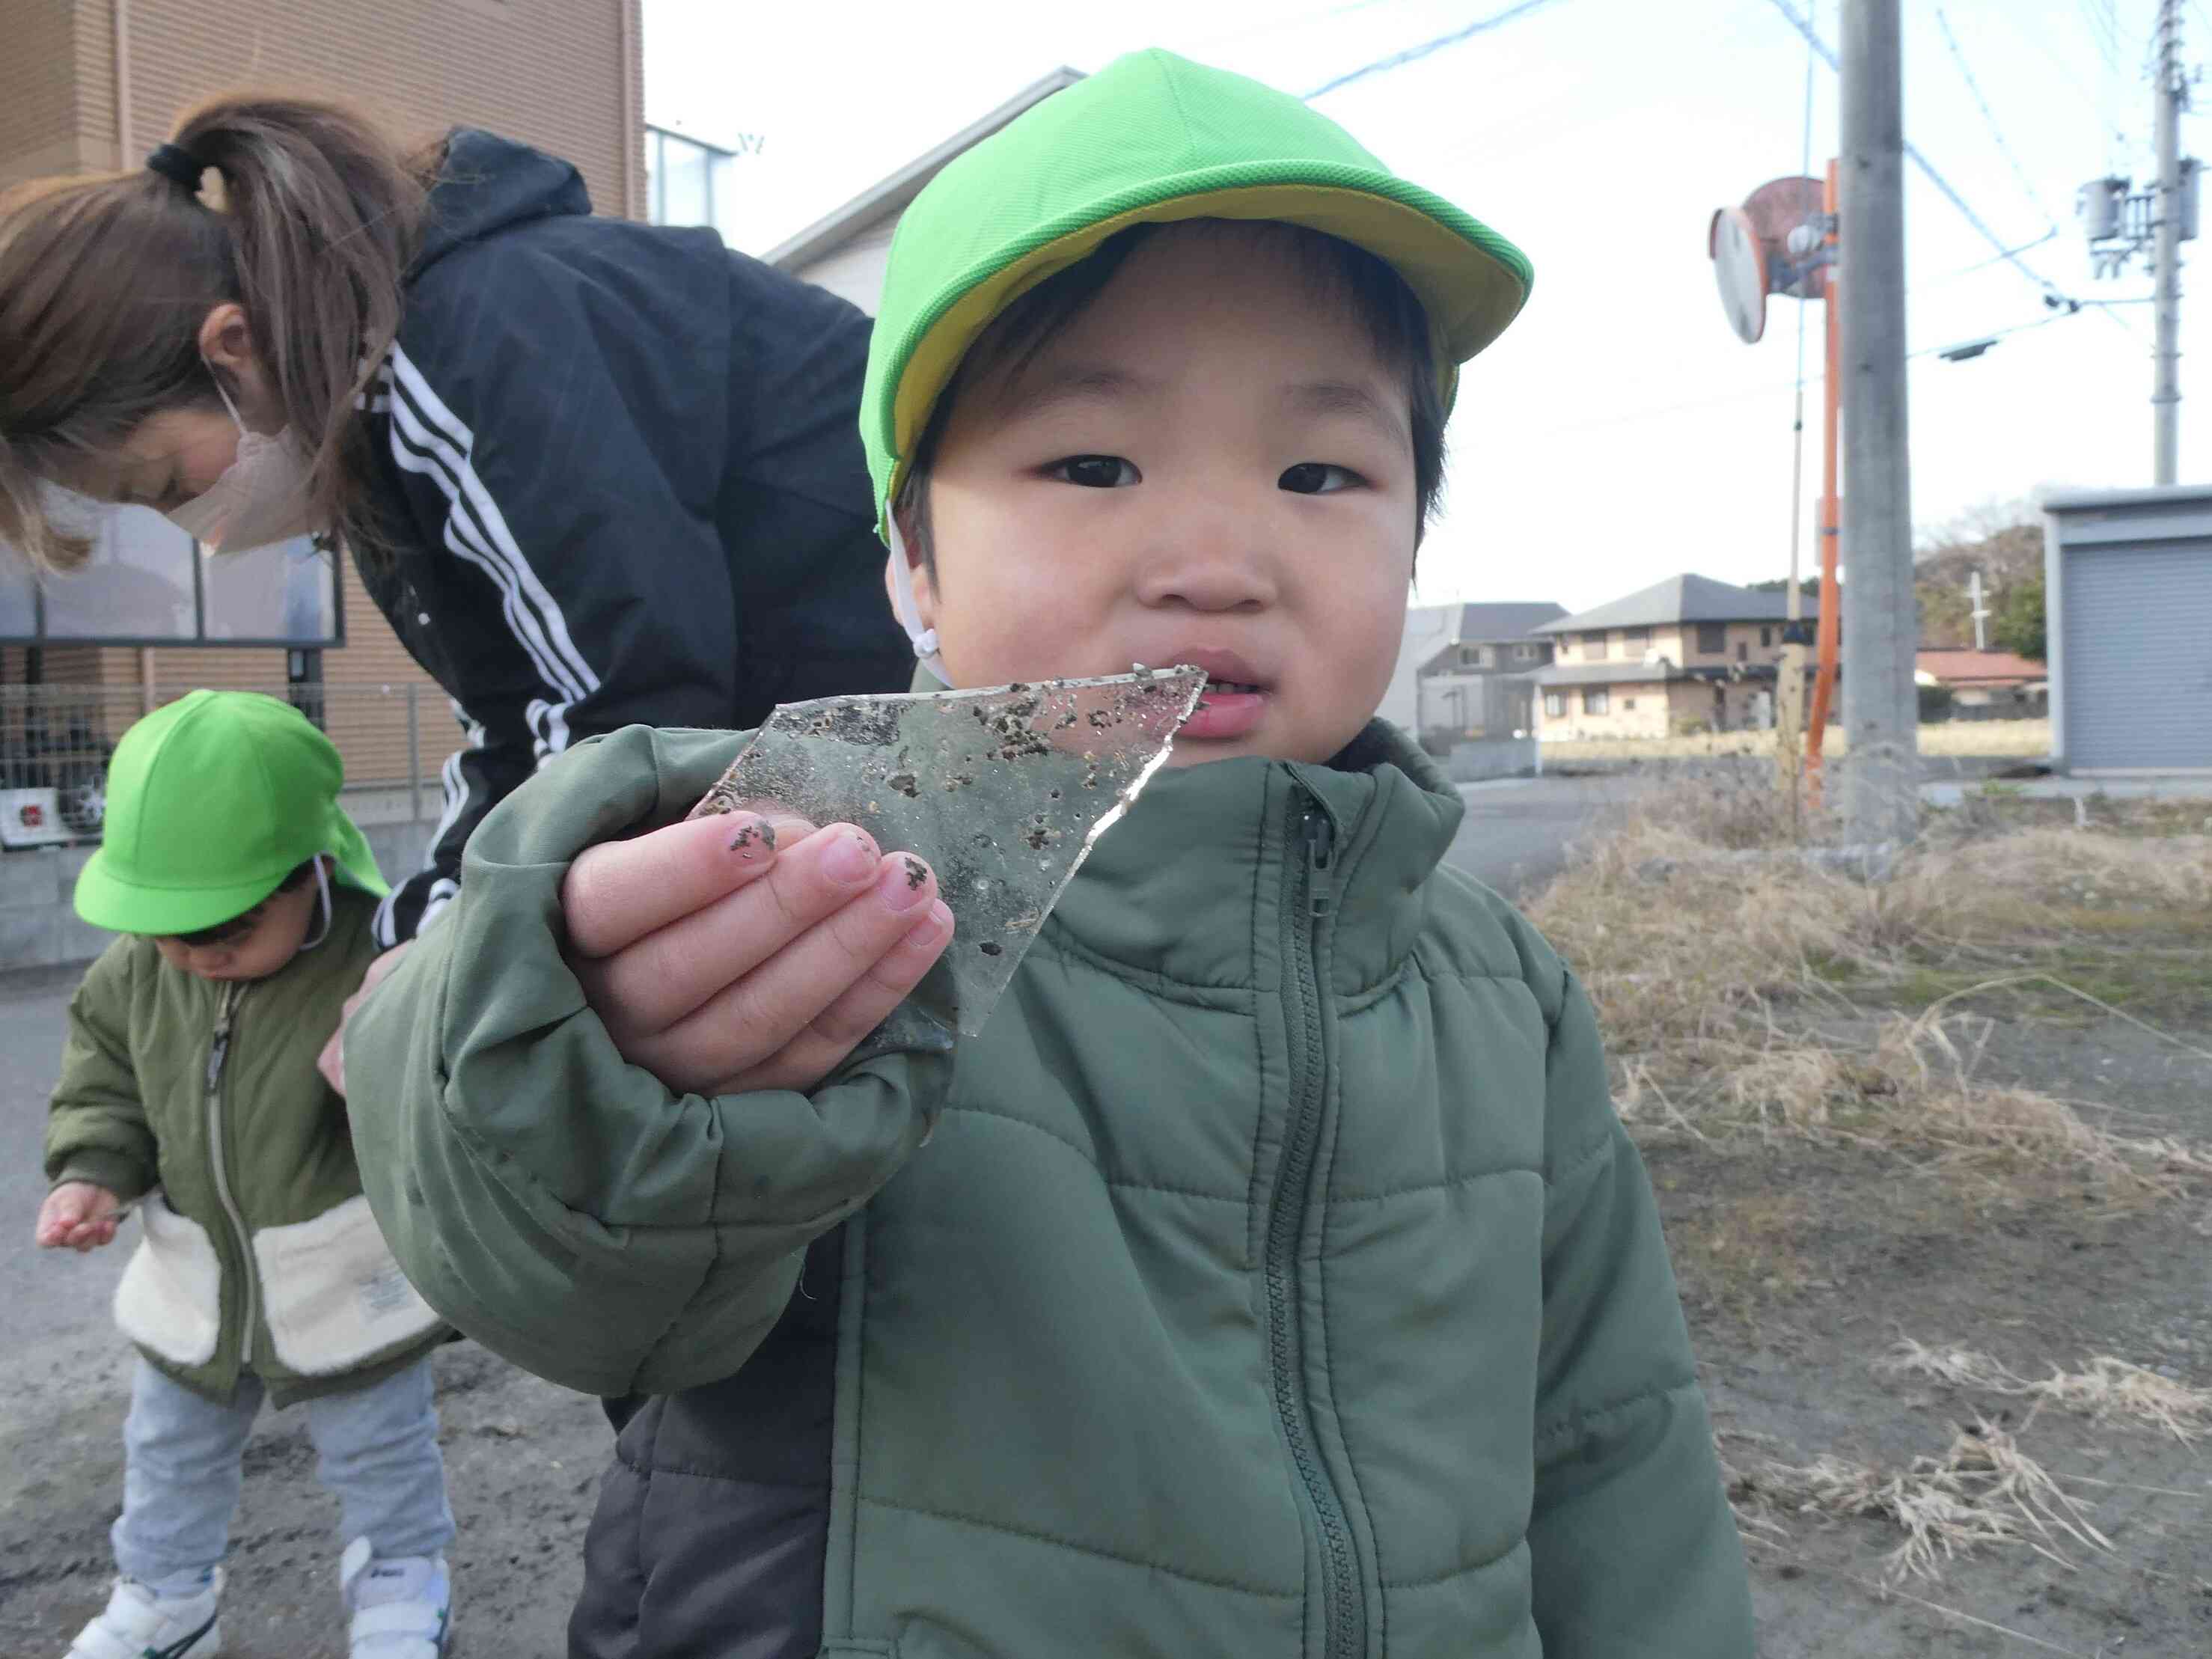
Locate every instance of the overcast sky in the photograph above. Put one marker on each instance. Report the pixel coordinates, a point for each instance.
(1619, 433)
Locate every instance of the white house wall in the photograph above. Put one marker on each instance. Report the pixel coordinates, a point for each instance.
(855, 271)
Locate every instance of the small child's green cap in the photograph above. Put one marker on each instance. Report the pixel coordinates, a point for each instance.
(212, 800)
(1151, 137)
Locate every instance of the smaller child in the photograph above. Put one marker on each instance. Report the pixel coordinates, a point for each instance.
(189, 1088)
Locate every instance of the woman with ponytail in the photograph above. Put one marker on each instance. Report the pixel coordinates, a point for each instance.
(593, 473)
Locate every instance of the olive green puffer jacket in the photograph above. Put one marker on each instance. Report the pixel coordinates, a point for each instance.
(1277, 1279)
(202, 1100)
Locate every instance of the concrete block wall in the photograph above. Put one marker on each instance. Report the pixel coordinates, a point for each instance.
(1492, 758)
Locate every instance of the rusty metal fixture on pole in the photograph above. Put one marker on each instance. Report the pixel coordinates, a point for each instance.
(1832, 607)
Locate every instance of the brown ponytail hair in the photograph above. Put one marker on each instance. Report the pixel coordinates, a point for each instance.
(105, 280)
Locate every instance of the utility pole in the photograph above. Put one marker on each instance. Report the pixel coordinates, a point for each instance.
(2166, 399)
(1980, 612)
(1881, 621)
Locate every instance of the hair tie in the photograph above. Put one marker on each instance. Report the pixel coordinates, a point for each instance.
(179, 166)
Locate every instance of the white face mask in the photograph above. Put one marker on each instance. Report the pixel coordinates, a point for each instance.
(261, 498)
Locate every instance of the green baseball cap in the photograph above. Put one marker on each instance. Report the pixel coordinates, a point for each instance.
(212, 800)
(1151, 137)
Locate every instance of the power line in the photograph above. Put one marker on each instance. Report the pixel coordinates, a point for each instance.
(1277, 25)
(1770, 388)
(2051, 290)
(2105, 26)
(1411, 54)
(1966, 73)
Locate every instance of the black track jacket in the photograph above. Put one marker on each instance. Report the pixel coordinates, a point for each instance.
(620, 473)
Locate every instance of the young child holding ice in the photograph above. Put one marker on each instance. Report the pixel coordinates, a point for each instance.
(1271, 1275)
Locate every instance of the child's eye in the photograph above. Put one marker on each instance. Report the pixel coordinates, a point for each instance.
(1094, 472)
(1316, 478)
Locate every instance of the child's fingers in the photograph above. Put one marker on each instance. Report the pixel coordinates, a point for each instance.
(839, 1029)
(63, 1208)
(661, 979)
(758, 1017)
(619, 891)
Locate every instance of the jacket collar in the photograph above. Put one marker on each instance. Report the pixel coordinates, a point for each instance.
(1194, 884)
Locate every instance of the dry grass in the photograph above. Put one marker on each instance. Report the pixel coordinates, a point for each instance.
(1984, 1491)
(2026, 739)
(2107, 1388)
(1716, 957)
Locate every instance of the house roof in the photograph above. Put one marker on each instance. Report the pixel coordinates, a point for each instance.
(890, 196)
(1608, 673)
(1979, 667)
(1503, 623)
(1683, 598)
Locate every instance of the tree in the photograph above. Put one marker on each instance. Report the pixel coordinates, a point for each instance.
(1810, 586)
(2000, 540)
(2019, 625)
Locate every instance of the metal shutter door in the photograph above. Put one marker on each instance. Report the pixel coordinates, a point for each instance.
(2138, 645)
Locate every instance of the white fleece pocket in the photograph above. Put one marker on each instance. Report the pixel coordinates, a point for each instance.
(332, 1295)
(170, 1300)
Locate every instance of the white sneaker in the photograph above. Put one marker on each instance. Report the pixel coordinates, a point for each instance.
(402, 1605)
(139, 1625)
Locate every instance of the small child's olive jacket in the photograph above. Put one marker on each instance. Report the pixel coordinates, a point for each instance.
(203, 1101)
(1272, 1275)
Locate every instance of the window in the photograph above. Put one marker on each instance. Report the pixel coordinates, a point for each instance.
(686, 183)
(1635, 642)
(145, 583)
(1593, 645)
(1742, 651)
(1712, 637)
(1555, 705)
(1595, 701)
(1471, 656)
(1526, 652)
(1628, 705)
(1766, 636)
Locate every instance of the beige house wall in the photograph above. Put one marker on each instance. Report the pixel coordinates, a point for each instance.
(1637, 709)
(1660, 708)
(1752, 642)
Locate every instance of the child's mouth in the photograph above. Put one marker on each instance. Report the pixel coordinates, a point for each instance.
(1224, 687)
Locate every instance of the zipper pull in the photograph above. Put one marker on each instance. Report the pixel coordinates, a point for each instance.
(1320, 836)
(220, 1046)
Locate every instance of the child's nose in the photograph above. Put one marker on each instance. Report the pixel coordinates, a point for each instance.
(1211, 561)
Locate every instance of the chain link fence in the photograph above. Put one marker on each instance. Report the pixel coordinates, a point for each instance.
(391, 738)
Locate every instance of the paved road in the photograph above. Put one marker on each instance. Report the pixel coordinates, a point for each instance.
(46, 1297)
(1519, 831)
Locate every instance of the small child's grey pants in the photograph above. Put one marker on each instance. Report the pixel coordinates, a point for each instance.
(377, 1452)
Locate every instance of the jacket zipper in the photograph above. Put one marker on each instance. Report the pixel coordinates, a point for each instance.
(1344, 1618)
(219, 1051)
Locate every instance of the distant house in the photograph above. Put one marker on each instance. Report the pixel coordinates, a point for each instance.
(1687, 655)
(1990, 684)
(846, 252)
(1473, 679)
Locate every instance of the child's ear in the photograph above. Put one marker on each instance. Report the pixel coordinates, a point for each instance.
(925, 588)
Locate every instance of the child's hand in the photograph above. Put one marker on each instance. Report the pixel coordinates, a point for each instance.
(331, 1062)
(78, 1216)
(734, 952)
